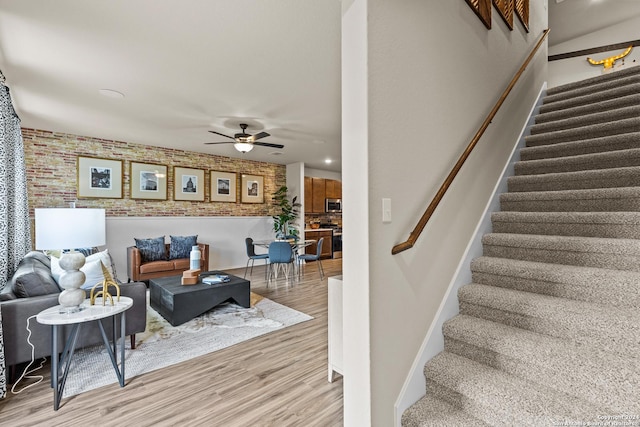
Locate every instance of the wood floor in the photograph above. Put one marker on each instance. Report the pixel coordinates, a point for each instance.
(279, 379)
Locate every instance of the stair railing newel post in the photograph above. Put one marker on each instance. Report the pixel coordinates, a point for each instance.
(413, 236)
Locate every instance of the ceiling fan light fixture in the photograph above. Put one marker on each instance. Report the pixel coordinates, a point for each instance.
(243, 147)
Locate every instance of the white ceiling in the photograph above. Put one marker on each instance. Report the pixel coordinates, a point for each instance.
(186, 67)
(570, 19)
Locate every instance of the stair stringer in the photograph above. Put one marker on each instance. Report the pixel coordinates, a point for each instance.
(415, 384)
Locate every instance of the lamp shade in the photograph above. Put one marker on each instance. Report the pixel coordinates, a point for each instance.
(66, 228)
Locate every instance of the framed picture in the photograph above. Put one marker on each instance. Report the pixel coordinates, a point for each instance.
(188, 184)
(482, 9)
(252, 189)
(148, 181)
(99, 178)
(522, 11)
(505, 8)
(223, 187)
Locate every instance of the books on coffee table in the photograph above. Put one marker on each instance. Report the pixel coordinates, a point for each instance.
(215, 279)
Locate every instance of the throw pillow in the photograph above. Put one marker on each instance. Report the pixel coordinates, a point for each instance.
(93, 272)
(33, 278)
(91, 268)
(181, 246)
(151, 249)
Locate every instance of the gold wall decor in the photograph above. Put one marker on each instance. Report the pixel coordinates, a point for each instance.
(522, 11)
(482, 8)
(505, 9)
(610, 61)
(104, 292)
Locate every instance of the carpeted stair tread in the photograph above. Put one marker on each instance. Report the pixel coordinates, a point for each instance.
(617, 288)
(500, 399)
(588, 119)
(585, 372)
(620, 225)
(430, 411)
(600, 89)
(585, 132)
(612, 329)
(621, 74)
(603, 106)
(579, 180)
(622, 254)
(589, 146)
(606, 160)
(623, 199)
(558, 103)
(548, 332)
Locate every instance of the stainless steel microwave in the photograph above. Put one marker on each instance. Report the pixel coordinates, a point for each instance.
(333, 205)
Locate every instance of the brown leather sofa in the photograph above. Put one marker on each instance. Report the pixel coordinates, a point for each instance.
(139, 271)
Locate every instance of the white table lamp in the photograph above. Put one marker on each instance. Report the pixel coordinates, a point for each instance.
(61, 228)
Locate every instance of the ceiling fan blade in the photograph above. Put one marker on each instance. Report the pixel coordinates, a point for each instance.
(223, 142)
(222, 134)
(259, 136)
(266, 144)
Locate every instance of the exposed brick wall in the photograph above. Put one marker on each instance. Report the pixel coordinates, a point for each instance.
(51, 159)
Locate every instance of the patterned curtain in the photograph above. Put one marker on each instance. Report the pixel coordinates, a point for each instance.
(15, 227)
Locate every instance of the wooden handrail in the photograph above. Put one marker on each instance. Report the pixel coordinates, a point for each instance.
(413, 237)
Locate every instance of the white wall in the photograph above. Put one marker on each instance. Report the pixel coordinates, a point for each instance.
(295, 187)
(318, 173)
(225, 236)
(355, 224)
(432, 73)
(573, 69)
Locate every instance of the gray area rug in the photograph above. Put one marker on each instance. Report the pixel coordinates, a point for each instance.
(162, 345)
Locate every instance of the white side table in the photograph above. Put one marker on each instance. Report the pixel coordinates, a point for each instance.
(60, 362)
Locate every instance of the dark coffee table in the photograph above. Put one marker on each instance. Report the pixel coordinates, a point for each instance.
(180, 303)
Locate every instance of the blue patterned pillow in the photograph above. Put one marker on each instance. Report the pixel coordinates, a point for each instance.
(151, 249)
(181, 246)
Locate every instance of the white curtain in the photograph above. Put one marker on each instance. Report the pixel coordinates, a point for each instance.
(15, 227)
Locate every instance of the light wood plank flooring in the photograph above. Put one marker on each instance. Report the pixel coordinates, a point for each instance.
(279, 379)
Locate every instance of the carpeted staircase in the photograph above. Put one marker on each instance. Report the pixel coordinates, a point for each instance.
(549, 330)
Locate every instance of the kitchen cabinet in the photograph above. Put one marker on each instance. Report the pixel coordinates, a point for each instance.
(327, 245)
(316, 190)
(333, 189)
(308, 194)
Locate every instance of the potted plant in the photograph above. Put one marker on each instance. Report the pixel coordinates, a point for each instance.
(284, 220)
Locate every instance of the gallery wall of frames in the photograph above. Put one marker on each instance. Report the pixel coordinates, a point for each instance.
(118, 176)
(506, 9)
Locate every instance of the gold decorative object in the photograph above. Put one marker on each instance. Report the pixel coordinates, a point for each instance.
(104, 292)
(609, 62)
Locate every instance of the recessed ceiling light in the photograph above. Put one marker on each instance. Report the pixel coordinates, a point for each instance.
(110, 93)
(327, 161)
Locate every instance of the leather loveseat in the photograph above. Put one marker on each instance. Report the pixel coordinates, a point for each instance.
(139, 270)
(33, 289)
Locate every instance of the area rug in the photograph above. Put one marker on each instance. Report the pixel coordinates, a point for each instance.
(162, 345)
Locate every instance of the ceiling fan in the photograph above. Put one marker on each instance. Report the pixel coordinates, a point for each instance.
(244, 142)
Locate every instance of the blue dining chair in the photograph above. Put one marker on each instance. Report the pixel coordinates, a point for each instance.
(280, 254)
(251, 253)
(315, 257)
